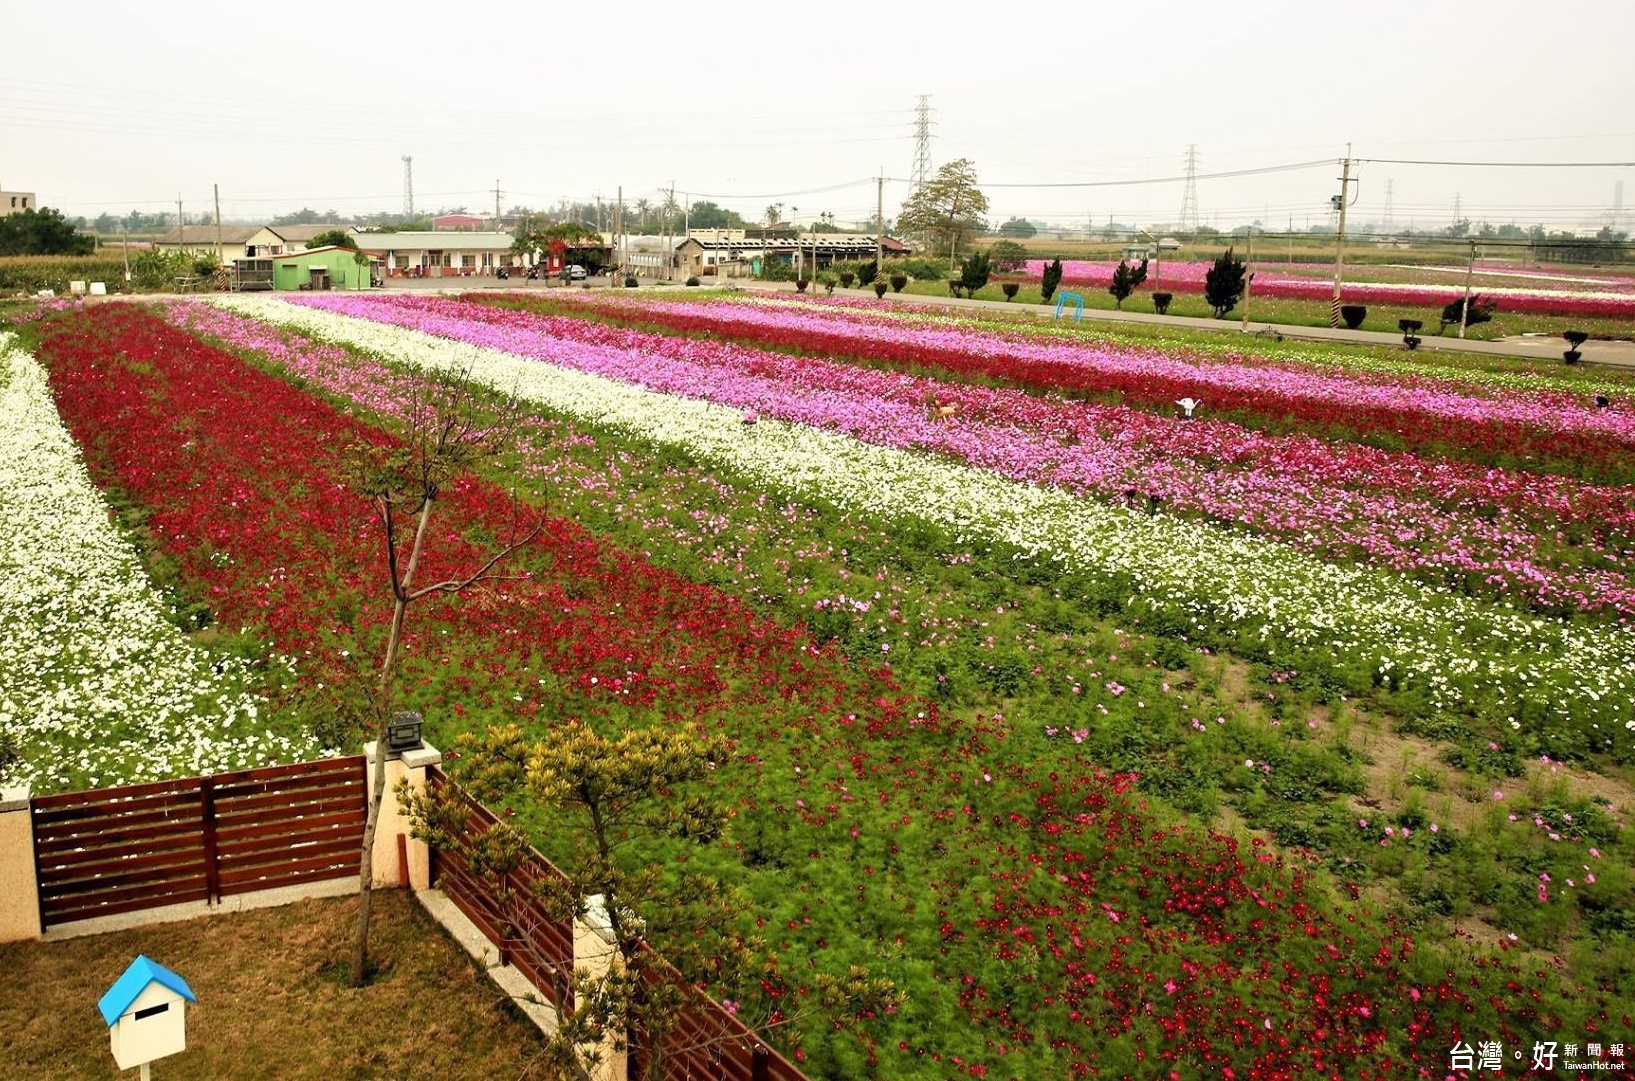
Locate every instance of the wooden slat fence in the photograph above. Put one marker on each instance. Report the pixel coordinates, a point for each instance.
(117, 850)
(707, 1042)
(508, 912)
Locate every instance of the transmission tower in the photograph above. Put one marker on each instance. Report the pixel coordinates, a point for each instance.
(922, 143)
(1390, 193)
(1618, 205)
(1458, 207)
(408, 185)
(1189, 198)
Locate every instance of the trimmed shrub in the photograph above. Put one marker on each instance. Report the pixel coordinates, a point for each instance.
(879, 289)
(898, 281)
(1353, 314)
(1160, 302)
(692, 280)
(1010, 289)
(800, 285)
(1049, 280)
(846, 279)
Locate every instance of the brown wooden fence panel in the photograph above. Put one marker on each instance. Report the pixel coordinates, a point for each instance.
(541, 948)
(118, 850)
(707, 1041)
(284, 825)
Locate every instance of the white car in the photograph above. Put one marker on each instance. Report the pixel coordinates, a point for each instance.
(576, 272)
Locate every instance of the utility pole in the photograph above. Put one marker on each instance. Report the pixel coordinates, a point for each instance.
(125, 234)
(1249, 279)
(879, 220)
(670, 234)
(181, 230)
(496, 205)
(1340, 202)
(217, 189)
(1464, 309)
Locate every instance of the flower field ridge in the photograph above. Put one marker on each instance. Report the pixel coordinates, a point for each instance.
(1528, 427)
(1603, 303)
(97, 685)
(1490, 532)
(1362, 627)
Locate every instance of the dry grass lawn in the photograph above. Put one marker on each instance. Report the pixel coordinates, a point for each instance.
(273, 1000)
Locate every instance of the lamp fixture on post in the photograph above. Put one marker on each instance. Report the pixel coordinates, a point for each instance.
(403, 732)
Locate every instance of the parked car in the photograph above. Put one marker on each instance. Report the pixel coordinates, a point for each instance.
(576, 272)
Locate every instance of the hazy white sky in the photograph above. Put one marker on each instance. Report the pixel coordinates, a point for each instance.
(113, 105)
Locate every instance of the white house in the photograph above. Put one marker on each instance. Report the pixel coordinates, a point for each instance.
(201, 240)
(439, 254)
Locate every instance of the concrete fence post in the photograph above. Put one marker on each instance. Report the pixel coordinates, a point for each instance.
(19, 889)
(388, 860)
(595, 954)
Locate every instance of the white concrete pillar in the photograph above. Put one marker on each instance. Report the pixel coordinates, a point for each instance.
(595, 954)
(19, 890)
(393, 822)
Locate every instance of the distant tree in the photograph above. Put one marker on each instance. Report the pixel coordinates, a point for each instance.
(1049, 280)
(42, 232)
(774, 213)
(1511, 231)
(337, 238)
(305, 216)
(1460, 228)
(1008, 255)
(1125, 280)
(948, 210)
(534, 238)
(706, 215)
(1019, 228)
(1223, 283)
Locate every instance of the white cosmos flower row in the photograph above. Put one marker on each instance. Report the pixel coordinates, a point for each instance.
(97, 686)
(1462, 653)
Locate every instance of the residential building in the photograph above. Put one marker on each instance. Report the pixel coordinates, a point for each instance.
(201, 240)
(438, 254)
(15, 202)
(287, 239)
(733, 253)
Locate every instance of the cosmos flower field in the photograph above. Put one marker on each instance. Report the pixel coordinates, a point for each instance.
(1043, 696)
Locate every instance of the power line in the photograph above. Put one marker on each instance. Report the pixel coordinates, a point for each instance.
(1507, 164)
(1291, 167)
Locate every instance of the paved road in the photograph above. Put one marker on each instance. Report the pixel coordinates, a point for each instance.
(1618, 354)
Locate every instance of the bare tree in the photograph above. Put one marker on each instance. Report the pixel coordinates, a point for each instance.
(448, 432)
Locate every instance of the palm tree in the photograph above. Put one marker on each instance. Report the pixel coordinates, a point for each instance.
(642, 206)
(773, 213)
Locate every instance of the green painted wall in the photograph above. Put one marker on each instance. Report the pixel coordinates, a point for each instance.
(345, 272)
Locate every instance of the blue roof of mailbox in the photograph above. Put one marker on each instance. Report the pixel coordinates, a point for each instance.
(135, 980)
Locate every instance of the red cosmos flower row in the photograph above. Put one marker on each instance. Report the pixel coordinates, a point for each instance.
(260, 520)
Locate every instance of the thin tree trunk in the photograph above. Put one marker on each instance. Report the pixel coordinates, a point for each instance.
(377, 781)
